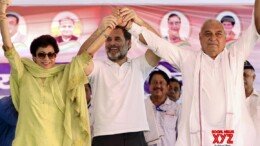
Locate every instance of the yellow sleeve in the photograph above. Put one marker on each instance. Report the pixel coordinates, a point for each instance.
(17, 69)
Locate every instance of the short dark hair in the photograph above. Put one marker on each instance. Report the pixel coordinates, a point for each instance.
(43, 41)
(159, 72)
(175, 80)
(248, 65)
(228, 18)
(127, 35)
(13, 15)
(173, 15)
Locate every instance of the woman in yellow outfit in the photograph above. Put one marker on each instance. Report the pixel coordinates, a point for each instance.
(50, 98)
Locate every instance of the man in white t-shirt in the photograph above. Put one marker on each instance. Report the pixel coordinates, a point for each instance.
(213, 98)
(117, 88)
(252, 97)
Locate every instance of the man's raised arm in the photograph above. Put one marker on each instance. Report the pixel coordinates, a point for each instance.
(96, 40)
(129, 16)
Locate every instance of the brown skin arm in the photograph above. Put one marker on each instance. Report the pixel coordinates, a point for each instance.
(257, 15)
(97, 39)
(130, 16)
(4, 27)
(92, 48)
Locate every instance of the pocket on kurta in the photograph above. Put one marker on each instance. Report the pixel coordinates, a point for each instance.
(169, 121)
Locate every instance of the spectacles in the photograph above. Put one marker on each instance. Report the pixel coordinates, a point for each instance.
(50, 55)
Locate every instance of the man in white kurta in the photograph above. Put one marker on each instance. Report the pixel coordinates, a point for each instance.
(252, 98)
(253, 105)
(213, 97)
(162, 113)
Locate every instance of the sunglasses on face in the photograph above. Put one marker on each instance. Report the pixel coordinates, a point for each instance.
(50, 55)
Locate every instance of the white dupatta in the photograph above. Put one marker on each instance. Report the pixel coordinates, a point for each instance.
(234, 113)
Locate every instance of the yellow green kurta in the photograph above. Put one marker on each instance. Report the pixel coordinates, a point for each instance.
(51, 102)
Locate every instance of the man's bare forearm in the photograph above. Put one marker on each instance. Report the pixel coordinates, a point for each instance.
(96, 40)
(86, 45)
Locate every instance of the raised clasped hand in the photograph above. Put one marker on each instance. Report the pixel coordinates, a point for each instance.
(109, 21)
(125, 15)
(7, 2)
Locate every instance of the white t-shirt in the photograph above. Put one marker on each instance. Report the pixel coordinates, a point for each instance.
(118, 96)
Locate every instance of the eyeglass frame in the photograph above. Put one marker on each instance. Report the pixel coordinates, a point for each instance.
(42, 55)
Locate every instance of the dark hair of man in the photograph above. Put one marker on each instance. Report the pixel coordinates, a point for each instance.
(43, 41)
(173, 15)
(228, 18)
(175, 80)
(159, 72)
(247, 65)
(127, 35)
(13, 15)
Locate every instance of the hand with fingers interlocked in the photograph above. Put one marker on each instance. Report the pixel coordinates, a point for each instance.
(8, 2)
(126, 16)
(109, 21)
(3, 6)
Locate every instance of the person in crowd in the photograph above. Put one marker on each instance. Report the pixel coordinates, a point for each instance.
(88, 93)
(201, 71)
(162, 113)
(174, 92)
(89, 106)
(252, 97)
(117, 87)
(8, 120)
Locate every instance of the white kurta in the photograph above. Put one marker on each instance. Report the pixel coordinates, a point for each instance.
(213, 93)
(233, 110)
(163, 123)
(253, 105)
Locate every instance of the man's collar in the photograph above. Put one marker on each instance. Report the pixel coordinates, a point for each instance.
(255, 93)
(109, 62)
(167, 101)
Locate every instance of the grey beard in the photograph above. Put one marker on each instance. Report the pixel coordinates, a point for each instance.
(116, 58)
